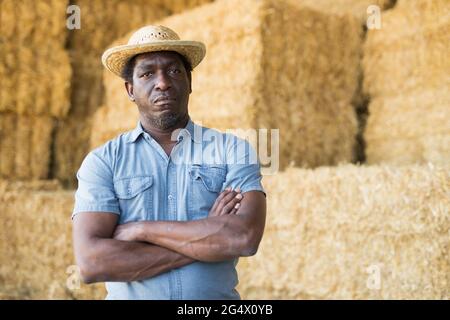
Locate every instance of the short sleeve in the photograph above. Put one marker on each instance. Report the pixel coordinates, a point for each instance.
(243, 167)
(95, 187)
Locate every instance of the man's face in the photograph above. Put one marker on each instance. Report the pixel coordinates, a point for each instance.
(160, 88)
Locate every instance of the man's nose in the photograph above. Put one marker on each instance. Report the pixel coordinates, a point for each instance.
(162, 82)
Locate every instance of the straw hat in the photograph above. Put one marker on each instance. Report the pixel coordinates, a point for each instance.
(150, 39)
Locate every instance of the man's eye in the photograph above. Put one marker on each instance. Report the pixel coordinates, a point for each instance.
(175, 71)
(147, 74)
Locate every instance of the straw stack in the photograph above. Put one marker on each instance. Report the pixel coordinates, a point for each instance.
(357, 8)
(258, 74)
(35, 185)
(35, 84)
(36, 252)
(407, 77)
(115, 121)
(103, 21)
(353, 233)
(177, 6)
(25, 145)
(34, 66)
(345, 232)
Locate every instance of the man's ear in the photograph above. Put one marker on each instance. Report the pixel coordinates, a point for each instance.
(129, 88)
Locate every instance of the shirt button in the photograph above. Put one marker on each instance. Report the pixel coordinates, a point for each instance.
(170, 197)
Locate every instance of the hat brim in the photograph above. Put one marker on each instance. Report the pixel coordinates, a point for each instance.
(114, 59)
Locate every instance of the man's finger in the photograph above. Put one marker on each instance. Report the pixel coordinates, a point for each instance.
(221, 195)
(227, 208)
(235, 208)
(226, 199)
(229, 197)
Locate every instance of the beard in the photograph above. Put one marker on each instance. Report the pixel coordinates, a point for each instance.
(166, 120)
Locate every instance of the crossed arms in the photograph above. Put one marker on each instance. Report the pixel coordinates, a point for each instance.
(140, 250)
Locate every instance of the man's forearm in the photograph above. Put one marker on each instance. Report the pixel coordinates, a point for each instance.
(212, 239)
(115, 260)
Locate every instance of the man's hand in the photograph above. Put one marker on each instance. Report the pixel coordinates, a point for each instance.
(227, 202)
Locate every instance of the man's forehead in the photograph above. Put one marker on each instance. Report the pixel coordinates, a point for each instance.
(159, 57)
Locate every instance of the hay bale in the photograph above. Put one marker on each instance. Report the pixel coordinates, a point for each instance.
(36, 252)
(34, 185)
(326, 227)
(87, 86)
(101, 24)
(7, 145)
(347, 219)
(413, 36)
(71, 146)
(411, 128)
(34, 65)
(407, 70)
(428, 149)
(357, 8)
(118, 120)
(178, 6)
(255, 64)
(25, 146)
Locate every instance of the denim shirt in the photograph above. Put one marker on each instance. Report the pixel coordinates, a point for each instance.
(133, 177)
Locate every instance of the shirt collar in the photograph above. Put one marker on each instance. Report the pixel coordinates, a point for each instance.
(191, 129)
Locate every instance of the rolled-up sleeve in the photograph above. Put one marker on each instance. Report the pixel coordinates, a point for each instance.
(95, 187)
(243, 167)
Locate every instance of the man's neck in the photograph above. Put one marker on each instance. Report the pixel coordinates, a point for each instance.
(164, 136)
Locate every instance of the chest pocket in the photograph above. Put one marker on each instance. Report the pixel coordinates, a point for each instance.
(135, 196)
(206, 182)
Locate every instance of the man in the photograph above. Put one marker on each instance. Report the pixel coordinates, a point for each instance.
(165, 211)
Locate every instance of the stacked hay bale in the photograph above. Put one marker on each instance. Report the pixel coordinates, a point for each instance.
(9, 232)
(177, 6)
(353, 233)
(102, 22)
(269, 64)
(36, 244)
(114, 120)
(407, 72)
(355, 7)
(363, 10)
(35, 83)
(346, 232)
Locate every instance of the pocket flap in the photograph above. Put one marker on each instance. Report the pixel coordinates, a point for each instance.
(212, 177)
(127, 188)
